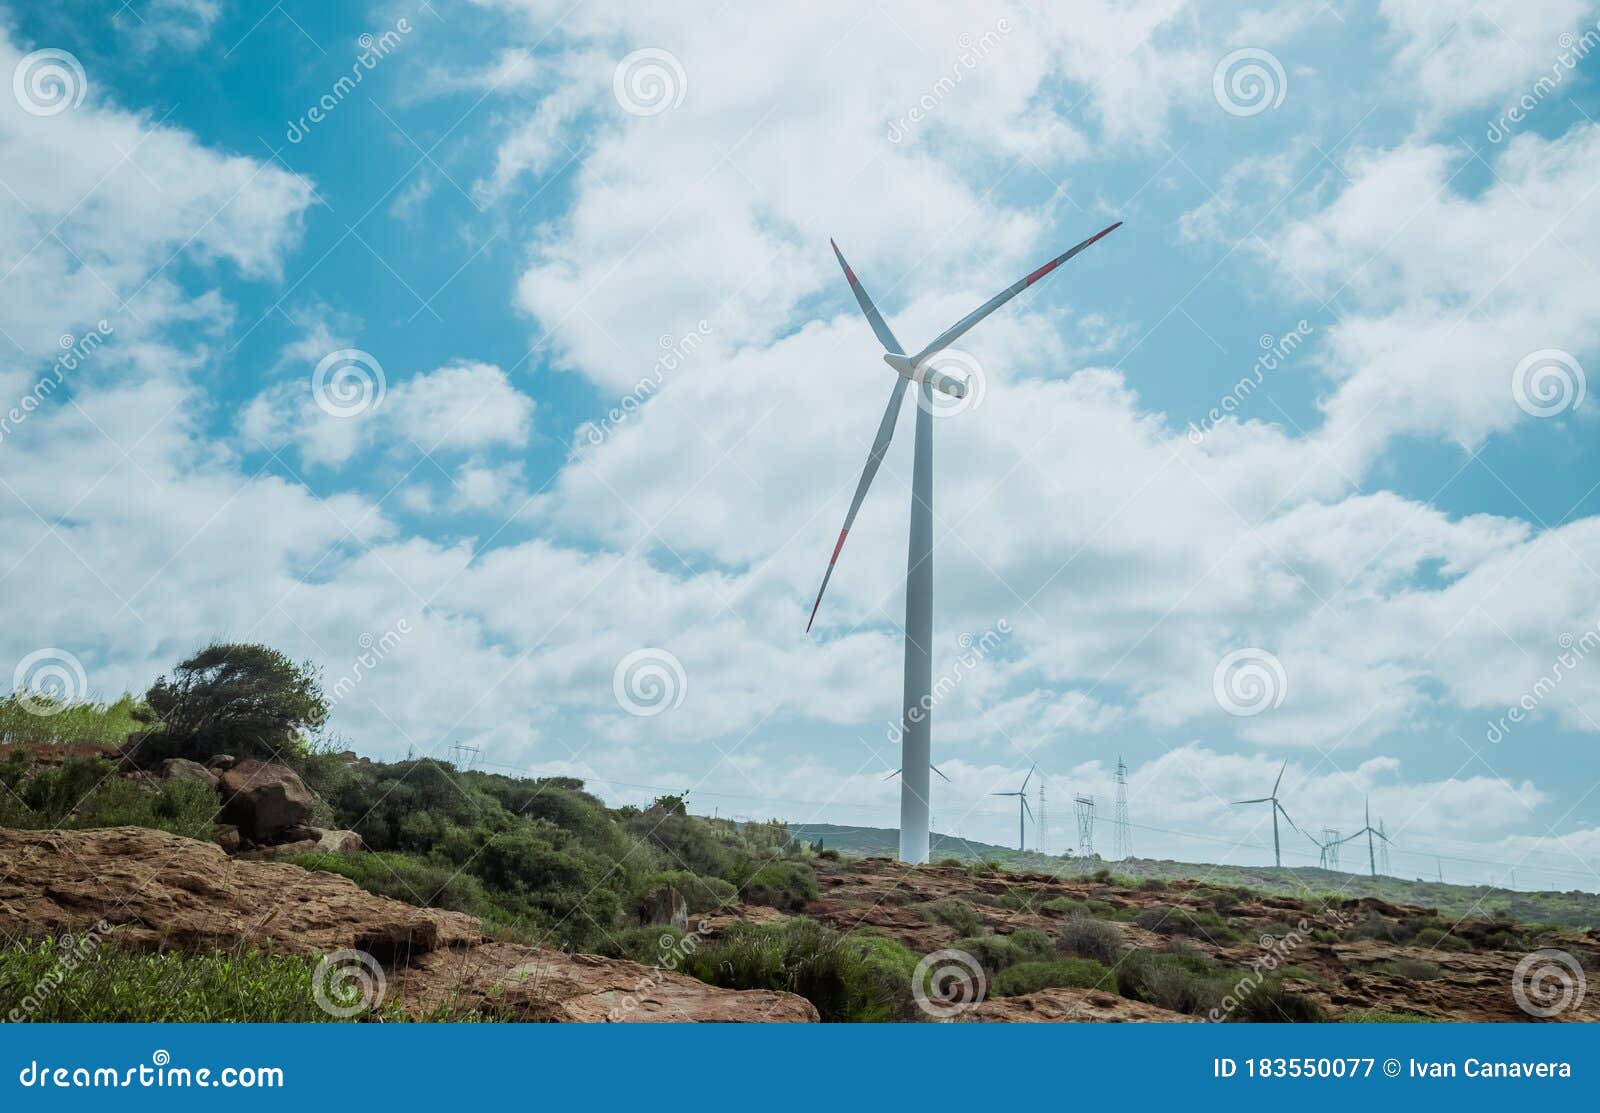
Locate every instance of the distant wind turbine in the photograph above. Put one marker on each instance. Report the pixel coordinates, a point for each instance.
(1369, 831)
(1024, 812)
(1277, 852)
(916, 737)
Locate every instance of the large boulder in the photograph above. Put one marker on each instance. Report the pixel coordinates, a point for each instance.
(182, 769)
(263, 799)
(664, 906)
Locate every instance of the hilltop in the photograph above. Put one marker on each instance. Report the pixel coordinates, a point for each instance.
(1573, 908)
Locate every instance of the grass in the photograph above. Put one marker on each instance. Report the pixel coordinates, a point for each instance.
(42, 721)
(49, 981)
(955, 914)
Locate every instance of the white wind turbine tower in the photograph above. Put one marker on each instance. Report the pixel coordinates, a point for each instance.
(1277, 851)
(916, 737)
(1024, 813)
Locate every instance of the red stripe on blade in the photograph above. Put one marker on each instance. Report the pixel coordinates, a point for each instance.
(1041, 272)
(837, 545)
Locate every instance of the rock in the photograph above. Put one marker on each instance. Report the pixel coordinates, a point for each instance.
(664, 906)
(218, 762)
(182, 769)
(1057, 1006)
(300, 832)
(341, 842)
(523, 984)
(263, 799)
(163, 891)
(226, 835)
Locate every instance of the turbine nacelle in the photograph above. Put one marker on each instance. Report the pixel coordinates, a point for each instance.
(925, 372)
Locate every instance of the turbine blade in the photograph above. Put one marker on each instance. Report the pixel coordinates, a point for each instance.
(1257, 800)
(880, 445)
(1025, 806)
(1279, 781)
(956, 331)
(1028, 778)
(1291, 822)
(892, 776)
(937, 770)
(874, 318)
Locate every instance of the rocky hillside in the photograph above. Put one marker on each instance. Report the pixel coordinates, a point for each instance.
(1351, 959)
(158, 890)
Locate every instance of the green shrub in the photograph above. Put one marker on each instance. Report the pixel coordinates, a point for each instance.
(107, 724)
(1413, 969)
(1440, 939)
(1089, 938)
(700, 894)
(847, 977)
(996, 952)
(1186, 981)
(788, 886)
(955, 914)
(1165, 919)
(1026, 977)
(83, 793)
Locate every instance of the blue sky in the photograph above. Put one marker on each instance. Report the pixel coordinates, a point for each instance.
(515, 239)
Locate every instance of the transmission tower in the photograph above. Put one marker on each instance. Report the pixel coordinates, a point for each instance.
(1383, 851)
(1330, 848)
(1121, 828)
(1084, 807)
(1044, 821)
(462, 757)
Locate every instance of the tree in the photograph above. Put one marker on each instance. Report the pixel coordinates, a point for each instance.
(240, 699)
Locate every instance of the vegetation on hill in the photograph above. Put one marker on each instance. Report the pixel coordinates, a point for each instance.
(1574, 908)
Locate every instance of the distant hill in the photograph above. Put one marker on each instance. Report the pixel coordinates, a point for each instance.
(1568, 909)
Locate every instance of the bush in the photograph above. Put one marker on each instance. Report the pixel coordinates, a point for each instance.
(1164, 919)
(1064, 973)
(996, 952)
(788, 886)
(240, 699)
(955, 914)
(1088, 938)
(105, 723)
(847, 977)
(1440, 939)
(1412, 969)
(700, 894)
(1188, 982)
(83, 793)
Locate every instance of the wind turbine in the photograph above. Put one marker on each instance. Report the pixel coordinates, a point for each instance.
(1277, 852)
(935, 768)
(916, 735)
(1022, 809)
(1369, 831)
